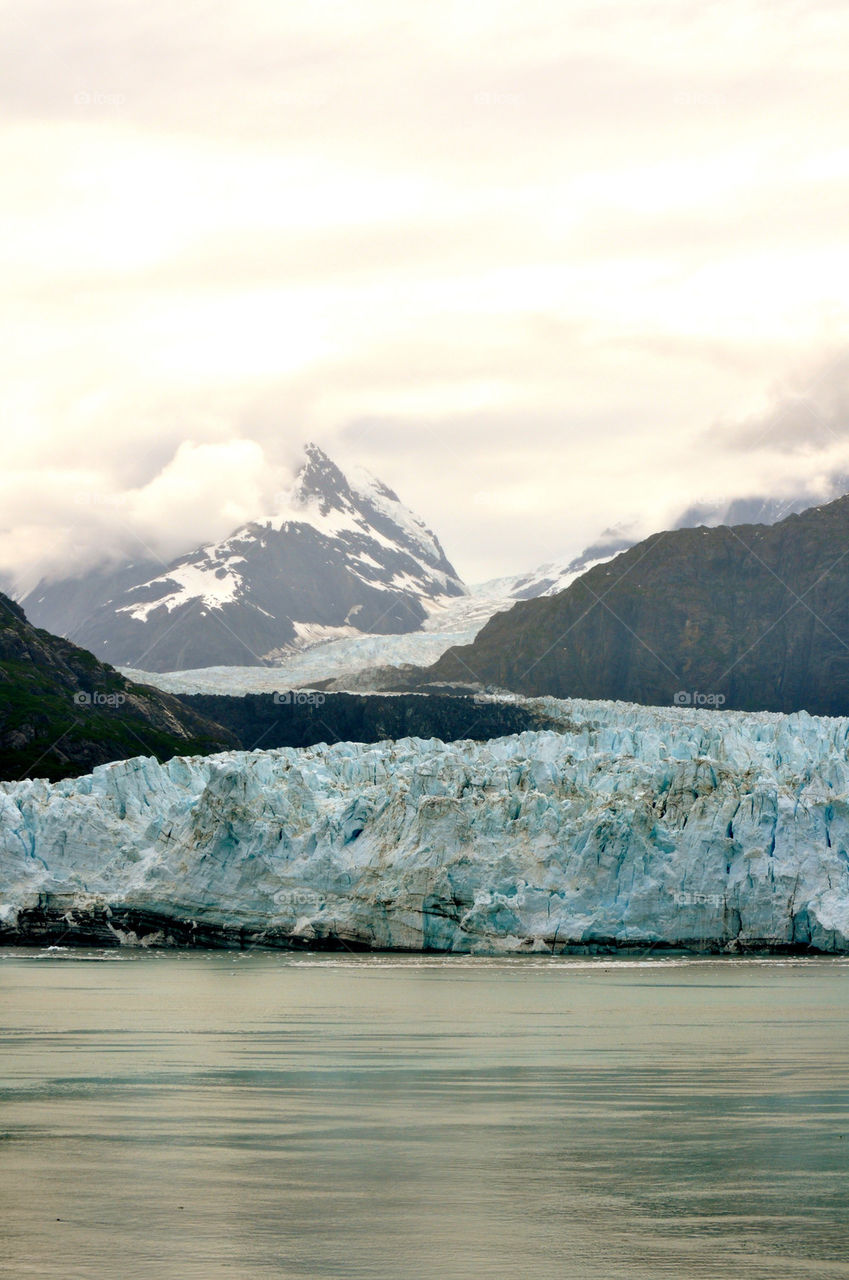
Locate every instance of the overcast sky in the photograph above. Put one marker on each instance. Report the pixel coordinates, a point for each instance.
(541, 267)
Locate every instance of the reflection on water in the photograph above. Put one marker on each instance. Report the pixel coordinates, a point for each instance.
(214, 1114)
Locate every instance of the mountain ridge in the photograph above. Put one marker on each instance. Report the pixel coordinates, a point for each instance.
(752, 617)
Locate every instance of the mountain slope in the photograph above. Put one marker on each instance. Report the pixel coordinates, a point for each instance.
(753, 617)
(364, 662)
(65, 605)
(62, 712)
(343, 556)
(306, 719)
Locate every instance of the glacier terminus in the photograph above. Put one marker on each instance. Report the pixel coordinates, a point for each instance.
(631, 827)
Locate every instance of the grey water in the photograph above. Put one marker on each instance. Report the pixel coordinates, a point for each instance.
(266, 1114)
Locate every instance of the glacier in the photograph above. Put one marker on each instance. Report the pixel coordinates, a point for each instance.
(630, 827)
(341, 652)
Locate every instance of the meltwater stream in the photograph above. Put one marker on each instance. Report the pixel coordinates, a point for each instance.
(256, 1115)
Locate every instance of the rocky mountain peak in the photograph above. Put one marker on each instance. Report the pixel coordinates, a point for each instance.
(320, 480)
(336, 557)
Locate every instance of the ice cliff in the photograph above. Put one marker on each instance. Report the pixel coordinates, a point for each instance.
(633, 826)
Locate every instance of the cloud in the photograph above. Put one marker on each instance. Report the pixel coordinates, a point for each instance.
(547, 252)
(807, 413)
(203, 492)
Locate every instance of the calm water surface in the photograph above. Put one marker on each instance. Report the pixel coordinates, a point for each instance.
(257, 1115)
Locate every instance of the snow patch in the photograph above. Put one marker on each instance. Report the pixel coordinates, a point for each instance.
(212, 582)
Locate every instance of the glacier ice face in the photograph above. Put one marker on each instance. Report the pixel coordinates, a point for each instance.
(633, 826)
(333, 655)
(346, 656)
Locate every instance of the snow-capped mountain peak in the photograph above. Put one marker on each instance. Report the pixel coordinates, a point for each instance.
(332, 503)
(337, 556)
(320, 481)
